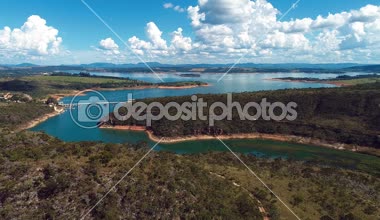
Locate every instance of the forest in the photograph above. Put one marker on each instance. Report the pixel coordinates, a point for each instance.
(42, 177)
(41, 86)
(340, 80)
(347, 115)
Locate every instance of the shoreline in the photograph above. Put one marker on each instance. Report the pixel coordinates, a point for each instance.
(172, 140)
(335, 83)
(59, 96)
(183, 87)
(272, 137)
(121, 127)
(39, 120)
(253, 136)
(150, 87)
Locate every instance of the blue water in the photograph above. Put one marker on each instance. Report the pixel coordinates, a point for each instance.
(240, 82)
(64, 128)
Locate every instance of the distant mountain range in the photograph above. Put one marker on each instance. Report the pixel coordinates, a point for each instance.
(19, 65)
(242, 65)
(338, 68)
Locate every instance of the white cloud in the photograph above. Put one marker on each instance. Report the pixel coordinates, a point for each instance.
(154, 34)
(224, 30)
(232, 27)
(179, 42)
(168, 5)
(179, 8)
(155, 46)
(32, 40)
(139, 46)
(174, 7)
(195, 16)
(109, 46)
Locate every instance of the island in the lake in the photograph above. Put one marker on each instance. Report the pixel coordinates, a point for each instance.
(60, 84)
(342, 80)
(325, 118)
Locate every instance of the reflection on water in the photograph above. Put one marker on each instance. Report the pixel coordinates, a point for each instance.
(64, 128)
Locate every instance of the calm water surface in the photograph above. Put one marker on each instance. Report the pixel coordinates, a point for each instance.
(64, 128)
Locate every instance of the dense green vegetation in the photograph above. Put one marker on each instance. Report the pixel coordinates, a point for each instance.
(369, 164)
(345, 115)
(40, 86)
(365, 68)
(50, 179)
(44, 178)
(181, 84)
(343, 79)
(13, 115)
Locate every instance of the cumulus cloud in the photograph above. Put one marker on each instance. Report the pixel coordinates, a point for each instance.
(174, 7)
(168, 5)
(154, 34)
(109, 46)
(179, 42)
(157, 46)
(32, 40)
(226, 29)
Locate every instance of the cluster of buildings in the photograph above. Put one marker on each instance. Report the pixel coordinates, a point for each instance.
(6, 96)
(19, 97)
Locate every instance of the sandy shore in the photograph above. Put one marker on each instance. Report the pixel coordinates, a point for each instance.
(150, 87)
(40, 119)
(120, 127)
(273, 137)
(182, 87)
(59, 96)
(336, 83)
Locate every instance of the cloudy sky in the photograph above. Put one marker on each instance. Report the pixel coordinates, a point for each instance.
(190, 31)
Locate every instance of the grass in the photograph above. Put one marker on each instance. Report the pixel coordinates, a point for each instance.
(41, 86)
(74, 79)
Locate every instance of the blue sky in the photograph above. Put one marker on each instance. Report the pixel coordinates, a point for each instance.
(72, 34)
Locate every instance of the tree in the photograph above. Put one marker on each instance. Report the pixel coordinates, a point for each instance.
(51, 100)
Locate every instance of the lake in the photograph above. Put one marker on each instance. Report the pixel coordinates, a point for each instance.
(65, 129)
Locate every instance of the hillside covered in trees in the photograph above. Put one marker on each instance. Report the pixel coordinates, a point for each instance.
(344, 115)
(41, 86)
(44, 178)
